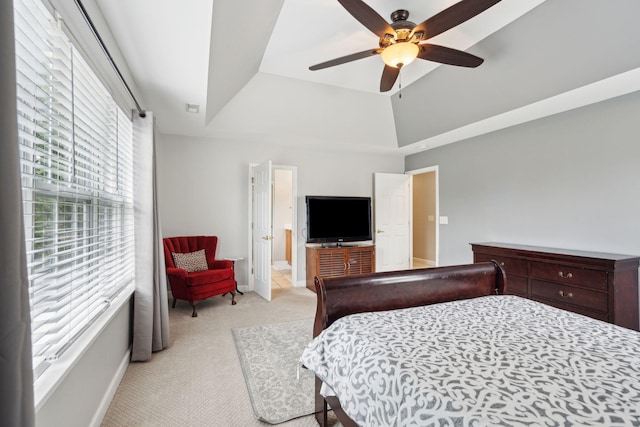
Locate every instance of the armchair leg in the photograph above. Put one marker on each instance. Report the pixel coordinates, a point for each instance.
(233, 298)
(174, 303)
(195, 313)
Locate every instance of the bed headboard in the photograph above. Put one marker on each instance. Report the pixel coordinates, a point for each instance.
(340, 296)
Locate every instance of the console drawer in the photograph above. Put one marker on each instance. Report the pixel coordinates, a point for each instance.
(563, 294)
(510, 265)
(569, 275)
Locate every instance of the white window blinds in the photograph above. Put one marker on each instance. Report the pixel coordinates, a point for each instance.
(76, 162)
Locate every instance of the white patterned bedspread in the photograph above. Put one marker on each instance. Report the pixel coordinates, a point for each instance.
(497, 360)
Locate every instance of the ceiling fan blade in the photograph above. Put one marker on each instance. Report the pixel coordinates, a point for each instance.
(389, 76)
(452, 16)
(368, 17)
(446, 55)
(344, 59)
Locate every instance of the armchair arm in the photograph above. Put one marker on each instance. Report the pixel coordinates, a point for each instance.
(179, 273)
(221, 263)
(178, 283)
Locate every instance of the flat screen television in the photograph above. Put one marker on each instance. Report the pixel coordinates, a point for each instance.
(335, 219)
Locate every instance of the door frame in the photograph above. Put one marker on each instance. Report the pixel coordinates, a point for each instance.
(294, 219)
(294, 222)
(437, 203)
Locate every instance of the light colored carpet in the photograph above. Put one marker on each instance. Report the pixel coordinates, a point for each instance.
(269, 355)
(198, 380)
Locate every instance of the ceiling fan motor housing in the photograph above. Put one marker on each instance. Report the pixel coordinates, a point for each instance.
(403, 29)
(399, 15)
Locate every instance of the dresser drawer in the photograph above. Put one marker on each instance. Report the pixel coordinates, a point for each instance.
(517, 285)
(576, 309)
(568, 275)
(510, 265)
(563, 294)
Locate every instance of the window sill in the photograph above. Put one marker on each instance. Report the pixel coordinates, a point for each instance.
(55, 374)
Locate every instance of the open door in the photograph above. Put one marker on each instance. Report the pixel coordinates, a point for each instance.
(392, 207)
(262, 233)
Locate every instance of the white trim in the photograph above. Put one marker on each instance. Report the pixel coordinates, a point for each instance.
(601, 90)
(250, 229)
(103, 407)
(294, 219)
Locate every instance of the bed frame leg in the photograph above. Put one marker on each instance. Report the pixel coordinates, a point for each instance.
(325, 414)
(321, 406)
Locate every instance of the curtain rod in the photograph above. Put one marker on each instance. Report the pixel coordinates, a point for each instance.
(141, 112)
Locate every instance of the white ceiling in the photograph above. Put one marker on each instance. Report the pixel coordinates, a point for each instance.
(314, 31)
(246, 65)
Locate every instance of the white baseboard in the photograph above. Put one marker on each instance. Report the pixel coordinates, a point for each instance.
(102, 409)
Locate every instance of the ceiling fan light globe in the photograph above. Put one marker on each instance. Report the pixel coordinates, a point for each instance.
(400, 54)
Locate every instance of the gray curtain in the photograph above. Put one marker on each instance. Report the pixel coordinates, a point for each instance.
(16, 371)
(151, 309)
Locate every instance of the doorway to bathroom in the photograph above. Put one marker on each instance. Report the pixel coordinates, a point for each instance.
(282, 222)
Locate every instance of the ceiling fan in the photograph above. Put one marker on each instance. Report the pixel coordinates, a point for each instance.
(402, 41)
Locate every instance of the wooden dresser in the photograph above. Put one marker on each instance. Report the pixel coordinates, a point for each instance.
(338, 261)
(599, 285)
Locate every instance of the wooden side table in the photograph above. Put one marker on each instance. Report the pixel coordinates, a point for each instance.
(233, 266)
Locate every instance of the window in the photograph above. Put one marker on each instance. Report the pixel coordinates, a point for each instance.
(76, 163)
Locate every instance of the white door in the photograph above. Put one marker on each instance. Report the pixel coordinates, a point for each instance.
(262, 233)
(392, 210)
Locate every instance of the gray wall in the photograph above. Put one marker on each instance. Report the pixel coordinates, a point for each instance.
(556, 47)
(203, 186)
(570, 181)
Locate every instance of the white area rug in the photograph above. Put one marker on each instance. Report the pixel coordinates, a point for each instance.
(270, 355)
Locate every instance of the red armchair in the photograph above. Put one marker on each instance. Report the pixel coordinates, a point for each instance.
(211, 277)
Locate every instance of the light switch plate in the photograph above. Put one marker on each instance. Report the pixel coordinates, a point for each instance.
(444, 220)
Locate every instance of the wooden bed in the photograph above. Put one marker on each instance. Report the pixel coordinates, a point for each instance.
(341, 296)
(462, 285)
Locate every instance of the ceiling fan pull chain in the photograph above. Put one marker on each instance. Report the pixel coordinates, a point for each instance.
(400, 83)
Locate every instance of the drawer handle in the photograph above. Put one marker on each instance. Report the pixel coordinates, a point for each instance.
(565, 276)
(566, 295)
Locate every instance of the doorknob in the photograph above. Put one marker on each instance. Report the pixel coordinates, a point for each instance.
(379, 231)
(267, 237)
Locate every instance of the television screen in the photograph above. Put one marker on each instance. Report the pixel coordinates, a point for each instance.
(338, 219)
